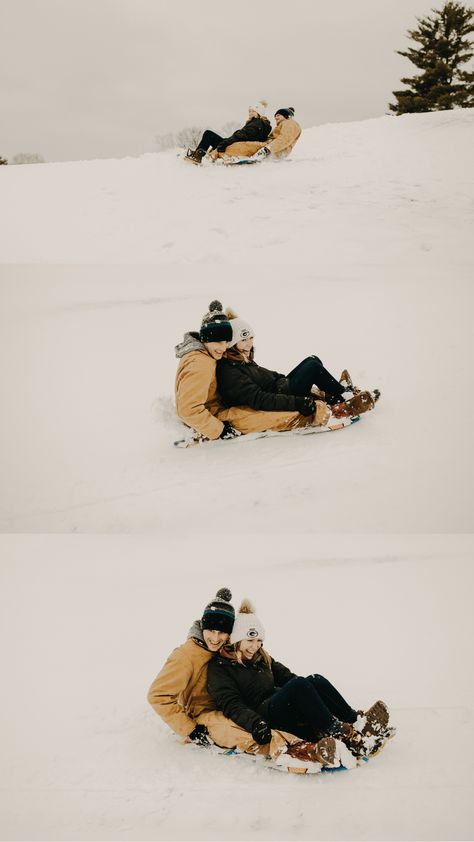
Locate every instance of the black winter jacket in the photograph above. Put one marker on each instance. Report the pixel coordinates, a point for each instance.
(249, 384)
(240, 692)
(257, 128)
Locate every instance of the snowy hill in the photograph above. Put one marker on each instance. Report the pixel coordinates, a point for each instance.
(356, 249)
(394, 187)
(84, 756)
(374, 219)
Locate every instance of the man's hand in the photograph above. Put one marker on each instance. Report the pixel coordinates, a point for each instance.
(229, 432)
(199, 736)
(262, 153)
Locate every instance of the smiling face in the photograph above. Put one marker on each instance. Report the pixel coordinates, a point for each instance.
(214, 639)
(245, 345)
(215, 349)
(279, 119)
(248, 648)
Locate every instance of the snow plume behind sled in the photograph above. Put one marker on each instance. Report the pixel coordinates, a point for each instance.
(191, 440)
(344, 760)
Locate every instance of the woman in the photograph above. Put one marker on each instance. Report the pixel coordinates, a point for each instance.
(241, 382)
(179, 694)
(257, 128)
(259, 694)
(198, 403)
(280, 141)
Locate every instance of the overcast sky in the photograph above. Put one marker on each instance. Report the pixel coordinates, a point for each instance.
(102, 78)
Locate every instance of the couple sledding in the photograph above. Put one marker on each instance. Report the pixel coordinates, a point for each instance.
(223, 687)
(255, 139)
(221, 392)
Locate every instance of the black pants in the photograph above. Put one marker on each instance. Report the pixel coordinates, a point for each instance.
(306, 707)
(311, 371)
(209, 139)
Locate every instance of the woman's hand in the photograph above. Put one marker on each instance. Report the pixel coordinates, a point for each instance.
(261, 732)
(305, 406)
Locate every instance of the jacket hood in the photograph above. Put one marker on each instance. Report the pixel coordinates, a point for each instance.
(195, 633)
(191, 342)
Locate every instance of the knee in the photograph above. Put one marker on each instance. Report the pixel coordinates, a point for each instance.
(300, 685)
(317, 679)
(315, 360)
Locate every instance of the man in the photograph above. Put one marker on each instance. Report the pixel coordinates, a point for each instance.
(197, 401)
(279, 143)
(179, 693)
(257, 128)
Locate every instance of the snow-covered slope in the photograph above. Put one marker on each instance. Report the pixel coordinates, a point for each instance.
(391, 187)
(87, 622)
(373, 218)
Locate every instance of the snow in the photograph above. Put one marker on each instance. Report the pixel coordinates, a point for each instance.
(87, 621)
(357, 249)
(387, 190)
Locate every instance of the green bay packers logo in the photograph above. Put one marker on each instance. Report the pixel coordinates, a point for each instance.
(252, 633)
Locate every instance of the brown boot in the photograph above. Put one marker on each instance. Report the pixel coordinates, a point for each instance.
(323, 752)
(352, 739)
(195, 156)
(360, 403)
(377, 718)
(346, 381)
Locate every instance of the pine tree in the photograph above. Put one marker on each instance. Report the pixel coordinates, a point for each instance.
(444, 48)
(3, 161)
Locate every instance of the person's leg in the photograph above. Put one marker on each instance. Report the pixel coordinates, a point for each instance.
(298, 705)
(333, 700)
(311, 371)
(208, 139)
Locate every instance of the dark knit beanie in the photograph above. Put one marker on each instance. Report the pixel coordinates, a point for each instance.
(215, 326)
(286, 112)
(219, 614)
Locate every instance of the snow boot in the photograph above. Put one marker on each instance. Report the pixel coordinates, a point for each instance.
(195, 156)
(346, 381)
(374, 721)
(323, 752)
(352, 739)
(361, 402)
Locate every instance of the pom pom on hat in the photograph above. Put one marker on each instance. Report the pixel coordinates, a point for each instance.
(224, 593)
(215, 311)
(247, 625)
(260, 107)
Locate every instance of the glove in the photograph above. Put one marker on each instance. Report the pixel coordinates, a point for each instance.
(305, 406)
(261, 154)
(261, 732)
(229, 432)
(323, 414)
(199, 736)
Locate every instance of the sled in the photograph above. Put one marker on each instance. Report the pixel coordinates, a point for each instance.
(193, 439)
(236, 161)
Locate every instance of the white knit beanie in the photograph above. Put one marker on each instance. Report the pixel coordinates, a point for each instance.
(247, 625)
(260, 107)
(240, 330)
